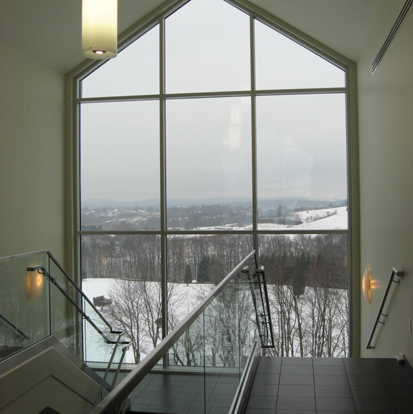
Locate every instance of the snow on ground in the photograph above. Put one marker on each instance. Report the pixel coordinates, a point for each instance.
(184, 299)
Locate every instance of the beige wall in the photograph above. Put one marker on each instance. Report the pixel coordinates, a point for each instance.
(31, 156)
(386, 176)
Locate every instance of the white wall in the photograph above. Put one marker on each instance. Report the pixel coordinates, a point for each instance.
(31, 155)
(386, 177)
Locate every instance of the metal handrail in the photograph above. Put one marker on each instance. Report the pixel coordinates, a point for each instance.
(83, 295)
(122, 391)
(14, 326)
(394, 273)
(69, 279)
(42, 271)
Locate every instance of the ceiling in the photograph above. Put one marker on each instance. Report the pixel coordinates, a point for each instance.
(49, 30)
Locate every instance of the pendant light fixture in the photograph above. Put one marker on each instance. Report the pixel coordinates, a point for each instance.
(99, 28)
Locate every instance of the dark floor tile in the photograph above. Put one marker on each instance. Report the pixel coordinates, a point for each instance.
(337, 380)
(159, 408)
(297, 361)
(295, 412)
(288, 390)
(328, 361)
(187, 395)
(336, 412)
(262, 401)
(398, 381)
(196, 409)
(393, 371)
(365, 380)
(217, 410)
(296, 403)
(138, 407)
(333, 391)
(297, 379)
(269, 369)
(227, 389)
(385, 362)
(363, 371)
(329, 370)
(259, 411)
(296, 369)
(264, 389)
(375, 405)
(359, 362)
(181, 404)
(404, 405)
(400, 392)
(266, 379)
(271, 360)
(335, 404)
(370, 392)
(223, 400)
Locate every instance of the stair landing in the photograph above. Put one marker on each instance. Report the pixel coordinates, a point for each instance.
(331, 385)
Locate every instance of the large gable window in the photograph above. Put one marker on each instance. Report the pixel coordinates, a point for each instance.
(212, 134)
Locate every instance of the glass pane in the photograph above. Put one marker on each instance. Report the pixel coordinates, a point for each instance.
(282, 63)
(120, 166)
(207, 48)
(24, 304)
(66, 321)
(209, 163)
(196, 264)
(307, 281)
(302, 172)
(121, 276)
(135, 71)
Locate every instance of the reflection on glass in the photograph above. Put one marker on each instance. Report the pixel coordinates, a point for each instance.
(121, 276)
(209, 163)
(302, 173)
(120, 166)
(135, 71)
(282, 63)
(203, 51)
(307, 280)
(25, 319)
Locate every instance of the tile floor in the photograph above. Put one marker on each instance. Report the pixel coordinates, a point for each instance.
(185, 393)
(331, 386)
(286, 386)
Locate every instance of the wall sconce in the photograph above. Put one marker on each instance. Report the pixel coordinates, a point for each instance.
(99, 28)
(34, 283)
(367, 285)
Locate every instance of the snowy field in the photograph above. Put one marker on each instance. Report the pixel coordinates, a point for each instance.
(184, 297)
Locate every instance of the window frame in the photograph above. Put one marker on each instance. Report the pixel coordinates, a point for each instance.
(158, 16)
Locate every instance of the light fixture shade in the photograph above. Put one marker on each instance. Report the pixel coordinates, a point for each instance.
(99, 28)
(367, 288)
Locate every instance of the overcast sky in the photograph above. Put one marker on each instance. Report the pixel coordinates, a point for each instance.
(301, 140)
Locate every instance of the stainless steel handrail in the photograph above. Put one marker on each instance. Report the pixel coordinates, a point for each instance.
(83, 295)
(14, 326)
(68, 278)
(394, 273)
(42, 271)
(122, 391)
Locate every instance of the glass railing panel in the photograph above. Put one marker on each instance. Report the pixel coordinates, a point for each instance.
(222, 347)
(24, 304)
(98, 340)
(248, 329)
(66, 320)
(200, 366)
(177, 382)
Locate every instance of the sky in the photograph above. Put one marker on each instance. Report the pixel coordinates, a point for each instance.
(301, 139)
